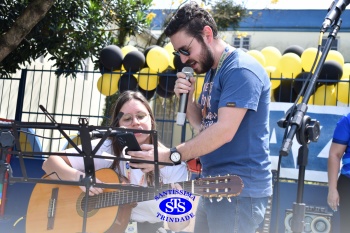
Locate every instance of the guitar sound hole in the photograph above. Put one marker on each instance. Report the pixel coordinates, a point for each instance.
(91, 203)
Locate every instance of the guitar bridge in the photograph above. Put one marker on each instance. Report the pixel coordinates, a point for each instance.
(51, 209)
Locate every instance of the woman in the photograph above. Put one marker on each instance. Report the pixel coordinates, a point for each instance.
(339, 187)
(135, 113)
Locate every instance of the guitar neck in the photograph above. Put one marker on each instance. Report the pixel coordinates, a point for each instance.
(121, 197)
(223, 186)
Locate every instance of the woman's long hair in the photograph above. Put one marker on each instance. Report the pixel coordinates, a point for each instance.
(124, 98)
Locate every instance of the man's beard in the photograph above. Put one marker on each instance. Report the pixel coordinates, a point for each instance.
(206, 60)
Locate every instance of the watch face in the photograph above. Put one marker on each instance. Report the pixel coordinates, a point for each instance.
(175, 157)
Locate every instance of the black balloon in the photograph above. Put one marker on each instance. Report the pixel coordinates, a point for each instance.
(331, 73)
(298, 50)
(285, 92)
(134, 61)
(299, 81)
(127, 82)
(148, 94)
(163, 92)
(103, 69)
(167, 80)
(111, 57)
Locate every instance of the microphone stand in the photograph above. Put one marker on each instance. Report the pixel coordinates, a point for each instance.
(306, 130)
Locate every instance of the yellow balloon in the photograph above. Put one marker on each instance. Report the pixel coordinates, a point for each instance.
(199, 85)
(342, 88)
(346, 71)
(308, 57)
(272, 55)
(325, 95)
(258, 56)
(311, 100)
(128, 48)
(158, 59)
(170, 49)
(147, 79)
(290, 65)
(272, 95)
(275, 76)
(335, 56)
(107, 84)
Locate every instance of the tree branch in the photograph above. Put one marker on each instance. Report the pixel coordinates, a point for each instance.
(35, 12)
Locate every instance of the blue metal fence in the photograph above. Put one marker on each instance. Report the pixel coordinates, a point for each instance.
(67, 99)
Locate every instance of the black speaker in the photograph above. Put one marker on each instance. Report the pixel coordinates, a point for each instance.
(316, 220)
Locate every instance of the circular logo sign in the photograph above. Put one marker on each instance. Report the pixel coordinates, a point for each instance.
(175, 205)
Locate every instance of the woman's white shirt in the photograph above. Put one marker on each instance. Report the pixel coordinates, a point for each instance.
(144, 211)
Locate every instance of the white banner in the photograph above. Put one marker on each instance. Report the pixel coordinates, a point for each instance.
(316, 168)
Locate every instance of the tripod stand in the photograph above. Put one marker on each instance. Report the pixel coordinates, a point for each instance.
(306, 129)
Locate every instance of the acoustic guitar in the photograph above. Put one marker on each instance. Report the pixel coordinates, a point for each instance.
(55, 208)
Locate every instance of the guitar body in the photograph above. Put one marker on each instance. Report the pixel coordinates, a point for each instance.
(55, 208)
(68, 215)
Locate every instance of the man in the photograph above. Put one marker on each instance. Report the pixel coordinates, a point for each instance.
(231, 116)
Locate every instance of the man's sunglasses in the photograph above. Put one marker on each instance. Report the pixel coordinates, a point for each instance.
(184, 51)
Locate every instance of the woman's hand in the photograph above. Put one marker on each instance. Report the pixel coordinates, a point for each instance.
(333, 199)
(93, 190)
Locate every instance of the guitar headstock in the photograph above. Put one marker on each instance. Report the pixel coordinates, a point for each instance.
(220, 186)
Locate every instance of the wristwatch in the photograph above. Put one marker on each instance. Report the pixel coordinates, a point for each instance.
(175, 156)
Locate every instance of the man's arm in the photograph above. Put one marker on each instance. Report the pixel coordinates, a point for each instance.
(194, 114)
(229, 119)
(223, 131)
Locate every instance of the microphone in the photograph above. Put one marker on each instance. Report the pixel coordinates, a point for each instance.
(181, 115)
(334, 12)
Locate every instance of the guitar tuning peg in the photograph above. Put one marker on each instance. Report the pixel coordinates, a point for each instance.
(211, 200)
(229, 199)
(219, 199)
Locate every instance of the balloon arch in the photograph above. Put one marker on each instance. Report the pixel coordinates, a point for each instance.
(154, 71)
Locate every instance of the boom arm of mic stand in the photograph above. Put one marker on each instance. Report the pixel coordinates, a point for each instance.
(299, 114)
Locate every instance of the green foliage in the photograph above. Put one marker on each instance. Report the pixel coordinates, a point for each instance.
(228, 14)
(73, 31)
(129, 16)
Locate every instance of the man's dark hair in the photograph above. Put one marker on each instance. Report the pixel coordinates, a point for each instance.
(191, 18)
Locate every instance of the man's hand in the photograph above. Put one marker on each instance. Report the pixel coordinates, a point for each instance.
(147, 153)
(182, 85)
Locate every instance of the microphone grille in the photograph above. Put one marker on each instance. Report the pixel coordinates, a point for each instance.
(187, 70)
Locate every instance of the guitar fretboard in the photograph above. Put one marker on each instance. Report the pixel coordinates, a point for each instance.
(108, 199)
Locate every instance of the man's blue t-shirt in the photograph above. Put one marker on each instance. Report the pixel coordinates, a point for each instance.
(243, 83)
